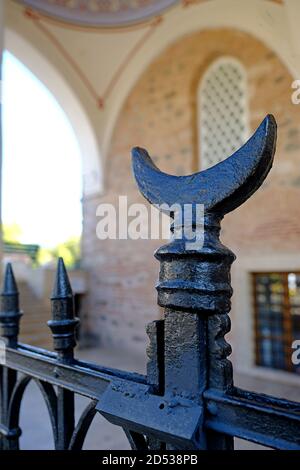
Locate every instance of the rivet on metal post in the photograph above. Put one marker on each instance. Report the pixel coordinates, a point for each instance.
(63, 323)
(10, 314)
(194, 281)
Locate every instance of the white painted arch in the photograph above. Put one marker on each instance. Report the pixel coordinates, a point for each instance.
(79, 120)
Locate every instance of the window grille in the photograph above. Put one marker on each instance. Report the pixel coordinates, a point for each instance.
(277, 318)
(222, 111)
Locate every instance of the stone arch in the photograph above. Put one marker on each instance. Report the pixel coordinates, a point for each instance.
(180, 23)
(159, 114)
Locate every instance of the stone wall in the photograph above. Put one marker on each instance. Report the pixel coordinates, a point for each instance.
(160, 115)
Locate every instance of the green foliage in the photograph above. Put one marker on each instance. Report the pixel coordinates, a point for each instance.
(11, 233)
(69, 251)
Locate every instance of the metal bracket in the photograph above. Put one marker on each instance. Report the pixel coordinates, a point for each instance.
(174, 420)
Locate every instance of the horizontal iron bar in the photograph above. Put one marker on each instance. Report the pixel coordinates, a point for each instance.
(255, 417)
(79, 377)
(125, 375)
(259, 418)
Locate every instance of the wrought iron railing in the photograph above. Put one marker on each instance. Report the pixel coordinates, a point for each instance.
(187, 399)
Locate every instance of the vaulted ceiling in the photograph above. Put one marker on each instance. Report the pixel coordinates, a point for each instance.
(90, 53)
(101, 13)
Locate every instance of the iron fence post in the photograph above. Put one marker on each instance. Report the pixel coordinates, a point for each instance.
(194, 282)
(9, 321)
(63, 326)
(194, 288)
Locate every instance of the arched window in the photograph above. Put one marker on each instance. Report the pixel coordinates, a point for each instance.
(222, 111)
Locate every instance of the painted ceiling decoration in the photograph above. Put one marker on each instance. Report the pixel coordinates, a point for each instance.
(100, 13)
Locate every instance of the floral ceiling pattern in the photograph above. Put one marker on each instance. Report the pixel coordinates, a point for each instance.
(100, 12)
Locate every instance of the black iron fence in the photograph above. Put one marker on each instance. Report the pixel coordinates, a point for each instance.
(187, 399)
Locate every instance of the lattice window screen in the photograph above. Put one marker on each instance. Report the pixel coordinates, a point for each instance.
(222, 105)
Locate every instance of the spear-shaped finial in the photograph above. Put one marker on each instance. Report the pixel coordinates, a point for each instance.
(62, 290)
(63, 323)
(10, 314)
(9, 285)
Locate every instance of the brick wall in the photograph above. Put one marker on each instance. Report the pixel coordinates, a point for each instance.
(160, 115)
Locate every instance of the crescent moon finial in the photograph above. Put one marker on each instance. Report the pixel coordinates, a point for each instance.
(220, 188)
